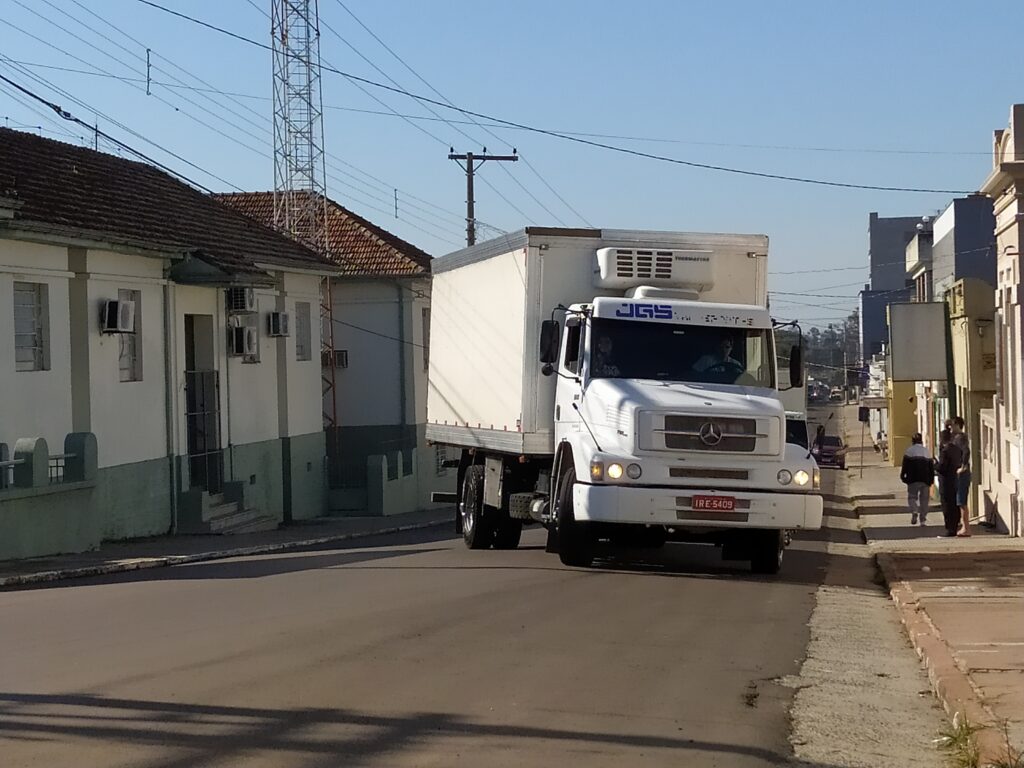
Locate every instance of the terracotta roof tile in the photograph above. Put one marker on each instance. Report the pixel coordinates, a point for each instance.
(123, 200)
(358, 246)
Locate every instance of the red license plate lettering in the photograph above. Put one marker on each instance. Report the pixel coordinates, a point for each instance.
(715, 503)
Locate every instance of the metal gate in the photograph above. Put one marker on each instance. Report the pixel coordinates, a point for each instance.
(202, 418)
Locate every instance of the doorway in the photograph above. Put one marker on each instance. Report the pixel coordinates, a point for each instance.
(202, 406)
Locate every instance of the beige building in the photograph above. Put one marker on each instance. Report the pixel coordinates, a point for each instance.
(971, 314)
(1001, 470)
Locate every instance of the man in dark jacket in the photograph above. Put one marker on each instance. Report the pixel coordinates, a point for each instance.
(918, 472)
(950, 461)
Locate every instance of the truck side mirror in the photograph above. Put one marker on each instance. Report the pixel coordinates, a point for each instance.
(549, 333)
(863, 415)
(796, 366)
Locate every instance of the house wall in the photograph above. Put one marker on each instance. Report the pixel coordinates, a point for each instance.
(381, 396)
(300, 417)
(35, 403)
(271, 417)
(1001, 470)
(133, 484)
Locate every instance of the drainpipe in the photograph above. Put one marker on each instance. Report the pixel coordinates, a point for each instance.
(170, 382)
(402, 396)
(219, 326)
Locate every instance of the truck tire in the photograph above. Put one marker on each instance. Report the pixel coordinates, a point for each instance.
(507, 533)
(575, 541)
(766, 554)
(477, 531)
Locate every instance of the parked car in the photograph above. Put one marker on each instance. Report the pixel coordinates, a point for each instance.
(831, 452)
(836, 396)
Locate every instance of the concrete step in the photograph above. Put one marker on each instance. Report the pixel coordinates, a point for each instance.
(231, 520)
(224, 509)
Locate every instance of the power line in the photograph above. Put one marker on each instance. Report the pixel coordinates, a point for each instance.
(383, 185)
(186, 113)
(579, 139)
(64, 114)
(455, 121)
(201, 122)
(432, 111)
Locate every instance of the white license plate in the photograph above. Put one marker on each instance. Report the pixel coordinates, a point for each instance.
(714, 503)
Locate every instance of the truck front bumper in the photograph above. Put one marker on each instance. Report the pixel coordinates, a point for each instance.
(675, 507)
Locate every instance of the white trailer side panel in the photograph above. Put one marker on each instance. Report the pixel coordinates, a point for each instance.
(477, 349)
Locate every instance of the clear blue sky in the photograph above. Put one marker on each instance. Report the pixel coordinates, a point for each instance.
(706, 77)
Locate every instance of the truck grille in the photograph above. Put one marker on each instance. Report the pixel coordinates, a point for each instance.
(699, 433)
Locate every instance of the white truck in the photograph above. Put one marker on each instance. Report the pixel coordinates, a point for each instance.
(616, 386)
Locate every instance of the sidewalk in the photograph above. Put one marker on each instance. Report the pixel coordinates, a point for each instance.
(160, 551)
(961, 600)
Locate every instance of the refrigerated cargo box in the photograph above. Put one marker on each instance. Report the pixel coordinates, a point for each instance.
(485, 386)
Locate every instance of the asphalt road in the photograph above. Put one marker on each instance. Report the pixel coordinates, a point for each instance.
(408, 651)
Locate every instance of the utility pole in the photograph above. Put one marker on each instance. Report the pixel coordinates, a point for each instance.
(473, 162)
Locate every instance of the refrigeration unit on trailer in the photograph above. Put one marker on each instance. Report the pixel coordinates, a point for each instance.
(616, 386)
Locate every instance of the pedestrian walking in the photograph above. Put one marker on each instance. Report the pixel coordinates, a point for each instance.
(963, 476)
(918, 473)
(950, 459)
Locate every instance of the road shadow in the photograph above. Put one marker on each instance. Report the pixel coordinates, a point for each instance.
(186, 734)
(313, 557)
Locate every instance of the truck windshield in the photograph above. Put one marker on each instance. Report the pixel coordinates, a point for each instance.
(628, 349)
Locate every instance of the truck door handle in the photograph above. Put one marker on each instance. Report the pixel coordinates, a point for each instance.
(558, 412)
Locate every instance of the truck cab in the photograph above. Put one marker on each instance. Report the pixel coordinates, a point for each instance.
(667, 415)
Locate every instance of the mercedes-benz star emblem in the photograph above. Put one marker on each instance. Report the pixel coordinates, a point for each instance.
(710, 433)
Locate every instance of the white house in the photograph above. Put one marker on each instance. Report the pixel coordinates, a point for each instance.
(206, 417)
(379, 460)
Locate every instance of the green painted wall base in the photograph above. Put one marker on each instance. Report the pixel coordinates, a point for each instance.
(134, 499)
(257, 466)
(48, 521)
(305, 479)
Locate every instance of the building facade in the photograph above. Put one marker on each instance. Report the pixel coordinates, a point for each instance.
(1001, 424)
(142, 313)
(378, 458)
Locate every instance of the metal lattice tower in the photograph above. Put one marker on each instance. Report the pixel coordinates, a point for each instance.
(300, 199)
(299, 172)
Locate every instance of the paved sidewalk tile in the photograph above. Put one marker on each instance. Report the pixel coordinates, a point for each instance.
(961, 599)
(159, 551)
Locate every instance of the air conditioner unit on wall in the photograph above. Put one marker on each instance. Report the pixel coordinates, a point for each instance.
(336, 358)
(244, 341)
(117, 317)
(240, 300)
(251, 343)
(277, 324)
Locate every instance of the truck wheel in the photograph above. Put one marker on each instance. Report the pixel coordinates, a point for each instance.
(507, 533)
(575, 541)
(767, 551)
(476, 528)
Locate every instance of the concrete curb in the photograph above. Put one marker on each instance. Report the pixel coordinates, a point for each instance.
(138, 564)
(952, 686)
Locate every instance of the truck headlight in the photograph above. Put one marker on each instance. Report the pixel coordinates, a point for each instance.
(597, 470)
(614, 471)
(785, 477)
(800, 477)
(817, 478)
(633, 471)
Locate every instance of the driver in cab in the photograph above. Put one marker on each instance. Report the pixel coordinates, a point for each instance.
(604, 362)
(721, 361)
